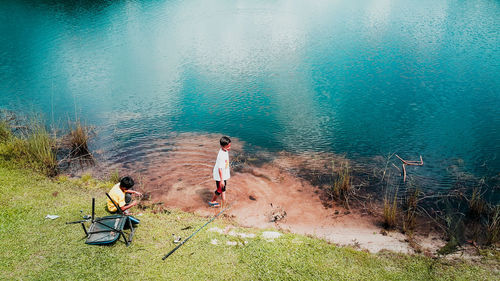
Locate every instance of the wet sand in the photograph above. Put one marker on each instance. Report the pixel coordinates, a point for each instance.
(181, 177)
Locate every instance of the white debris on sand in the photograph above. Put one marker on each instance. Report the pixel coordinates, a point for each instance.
(270, 235)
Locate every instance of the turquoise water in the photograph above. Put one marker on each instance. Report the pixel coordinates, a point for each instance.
(363, 78)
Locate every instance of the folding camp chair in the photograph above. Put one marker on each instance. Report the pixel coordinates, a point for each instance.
(108, 229)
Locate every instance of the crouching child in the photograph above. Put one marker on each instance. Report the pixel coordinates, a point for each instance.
(122, 193)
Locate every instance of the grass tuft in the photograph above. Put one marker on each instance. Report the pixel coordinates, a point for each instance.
(114, 177)
(477, 205)
(390, 210)
(32, 147)
(342, 186)
(410, 214)
(493, 227)
(79, 136)
(41, 147)
(5, 132)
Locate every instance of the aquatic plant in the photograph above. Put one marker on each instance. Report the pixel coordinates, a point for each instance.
(477, 205)
(342, 186)
(493, 226)
(78, 138)
(390, 210)
(410, 213)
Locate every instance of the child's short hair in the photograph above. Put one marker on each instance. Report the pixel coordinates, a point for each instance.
(224, 141)
(126, 182)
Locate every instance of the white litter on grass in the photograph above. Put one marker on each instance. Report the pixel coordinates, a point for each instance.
(214, 242)
(270, 235)
(242, 235)
(52, 217)
(234, 243)
(231, 233)
(216, 229)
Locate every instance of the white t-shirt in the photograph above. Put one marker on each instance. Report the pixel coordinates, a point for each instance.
(222, 163)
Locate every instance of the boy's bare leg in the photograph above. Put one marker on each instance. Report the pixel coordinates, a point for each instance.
(223, 199)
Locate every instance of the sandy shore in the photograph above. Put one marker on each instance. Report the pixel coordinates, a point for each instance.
(260, 191)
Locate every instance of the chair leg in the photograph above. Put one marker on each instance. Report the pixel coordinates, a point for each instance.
(132, 230)
(85, 230)
(125, 238)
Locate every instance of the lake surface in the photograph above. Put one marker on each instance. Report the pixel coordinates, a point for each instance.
(361, 78)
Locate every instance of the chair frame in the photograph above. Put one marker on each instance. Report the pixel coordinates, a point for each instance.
(95, 221)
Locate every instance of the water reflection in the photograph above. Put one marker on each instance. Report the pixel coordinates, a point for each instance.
(361, 78)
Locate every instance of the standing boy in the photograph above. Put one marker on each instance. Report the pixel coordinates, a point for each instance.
(121, 194)
(221, 170)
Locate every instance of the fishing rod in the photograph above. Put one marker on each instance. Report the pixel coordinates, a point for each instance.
(182, 243)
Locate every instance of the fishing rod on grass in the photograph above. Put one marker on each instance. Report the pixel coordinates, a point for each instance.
(182, 243)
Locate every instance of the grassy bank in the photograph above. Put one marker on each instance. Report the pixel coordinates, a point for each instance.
(34, 248)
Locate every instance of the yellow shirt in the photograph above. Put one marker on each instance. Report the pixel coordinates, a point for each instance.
(118, 196)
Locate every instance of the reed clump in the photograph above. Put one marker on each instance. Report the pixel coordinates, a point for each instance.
(26, 142)
(31, 147)
(41, 148)
(78, 138)
(390, 210)
(5, 131)
(493, 226)
(342, 186)
(477, 204)
(410, 214)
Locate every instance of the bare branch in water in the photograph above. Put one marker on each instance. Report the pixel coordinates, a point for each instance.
(409, 163)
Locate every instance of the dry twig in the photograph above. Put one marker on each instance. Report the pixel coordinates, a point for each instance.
(409, 163)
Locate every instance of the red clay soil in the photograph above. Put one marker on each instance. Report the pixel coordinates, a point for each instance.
(182, 178)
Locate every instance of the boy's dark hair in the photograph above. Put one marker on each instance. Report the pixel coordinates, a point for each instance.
(225, 141)
(126, 182)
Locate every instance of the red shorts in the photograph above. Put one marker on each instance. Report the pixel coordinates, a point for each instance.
(219, 190)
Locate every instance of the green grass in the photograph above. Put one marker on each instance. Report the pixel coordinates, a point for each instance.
(33, 248)
(33, 147)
